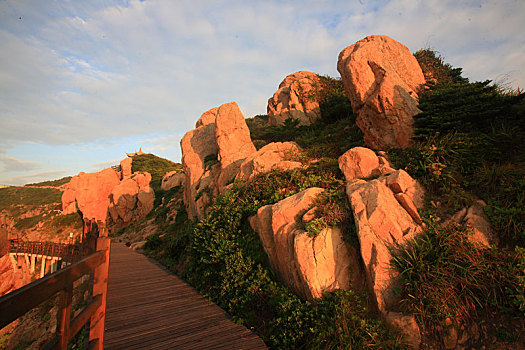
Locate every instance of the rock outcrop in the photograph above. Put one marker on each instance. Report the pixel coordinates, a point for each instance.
(131, 200)
(275, 155)
(474, 216)
(212, 155)
(233, 140)
(172, 179)
(89, 193)
(309, 265)
(198, 147)
(382, 79)
(12, 277)
(385, 214)
(296, 98)
(125, 167)
(124, 195)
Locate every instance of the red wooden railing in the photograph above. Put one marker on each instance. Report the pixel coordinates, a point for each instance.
(67, 252)
(18, 302)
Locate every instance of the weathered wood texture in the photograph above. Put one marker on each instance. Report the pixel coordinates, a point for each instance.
(150, 308)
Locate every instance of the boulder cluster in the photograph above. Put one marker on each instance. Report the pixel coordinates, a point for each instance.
(382, 79)
(124, 195)
(220, 150)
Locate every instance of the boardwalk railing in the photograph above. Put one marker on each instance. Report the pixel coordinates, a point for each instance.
(18, 302)
(67, 252)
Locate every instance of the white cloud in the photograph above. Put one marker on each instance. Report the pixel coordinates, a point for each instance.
(104, 164)
(12, 164)
(34, 177)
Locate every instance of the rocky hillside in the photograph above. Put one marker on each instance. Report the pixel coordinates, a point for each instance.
(383, 209)
(33, 212)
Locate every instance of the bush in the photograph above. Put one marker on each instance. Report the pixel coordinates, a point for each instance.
(333, 102)
(154, 165)
(443, 275)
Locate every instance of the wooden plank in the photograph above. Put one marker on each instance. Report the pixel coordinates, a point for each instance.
(150, 308)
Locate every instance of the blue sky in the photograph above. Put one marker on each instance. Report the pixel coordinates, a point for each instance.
(82, 82)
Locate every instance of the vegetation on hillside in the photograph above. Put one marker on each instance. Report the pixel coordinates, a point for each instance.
(13, 196)
(154, 165)
(223, 258)
(468, 144)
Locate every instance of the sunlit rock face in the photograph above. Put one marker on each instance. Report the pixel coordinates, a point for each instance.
(308, 265)
(296, 98)
(212, 155)
(382, 79)
(89, 193)
(385, 205)
(131, 200)
(275, 155)
(172, 179)
(124, 196)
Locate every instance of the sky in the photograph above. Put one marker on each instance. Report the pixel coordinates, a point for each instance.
(83, 82)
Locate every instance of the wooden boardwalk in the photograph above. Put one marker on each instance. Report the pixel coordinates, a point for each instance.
(150, 308)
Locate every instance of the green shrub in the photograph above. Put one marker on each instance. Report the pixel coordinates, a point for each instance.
(345, 322)
(465, 107)
(153, 242)
(435, 69)
(333, 102)
(443, 275)
(210, 160)
(154, 165)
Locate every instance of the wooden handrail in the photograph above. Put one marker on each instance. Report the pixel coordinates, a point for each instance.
(18, 302)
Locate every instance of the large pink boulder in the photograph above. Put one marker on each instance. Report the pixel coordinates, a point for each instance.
(359, 163)
(196, 145)
(275, 155)
(172, 179)
(234, 141)
(212, 154)
(296, 98)
(382, 79)
(12, 277)
(125, 167)
(89, 193)
(309, 265)
(131, 200)
(385, 212)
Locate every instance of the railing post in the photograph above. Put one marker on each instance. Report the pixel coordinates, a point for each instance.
(100, 285)
(64, 316)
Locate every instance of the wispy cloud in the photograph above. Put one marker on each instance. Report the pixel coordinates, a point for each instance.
(105, 164)
(12, 164)
(35, 177)
(76, 73)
